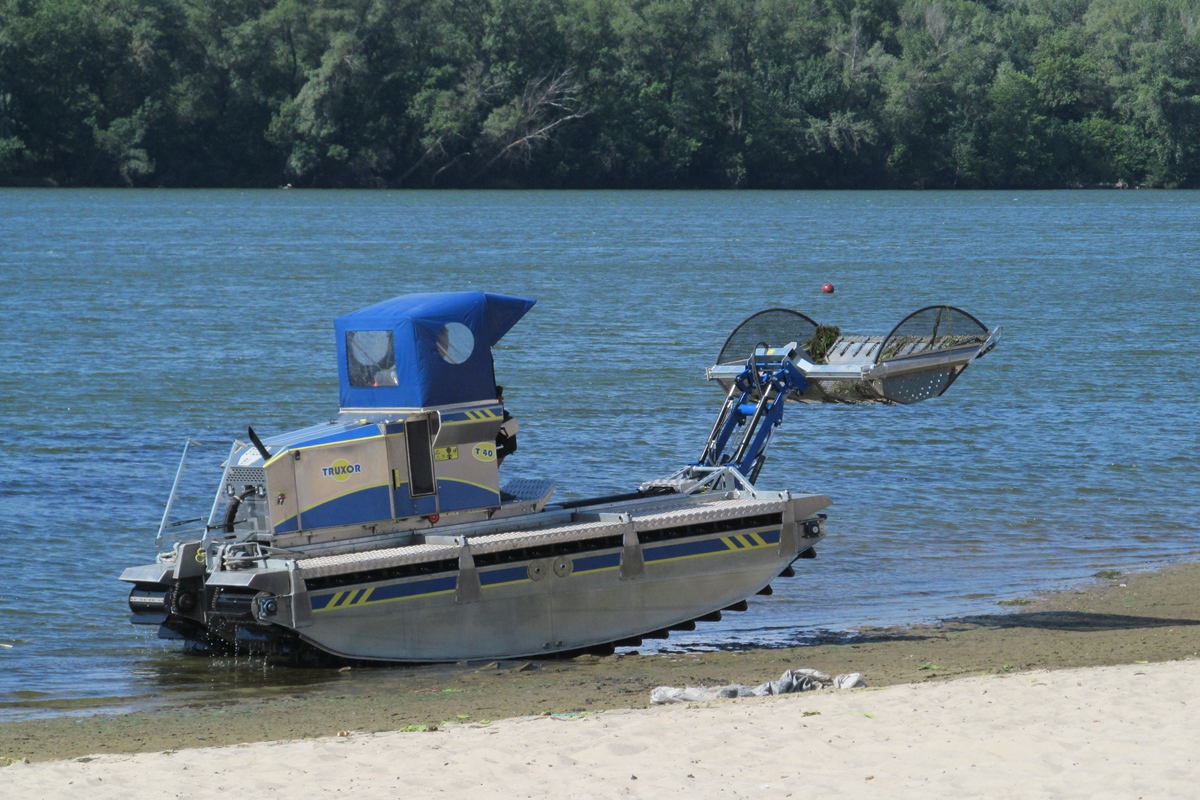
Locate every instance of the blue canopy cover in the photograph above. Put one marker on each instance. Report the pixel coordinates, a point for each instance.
(421, 350)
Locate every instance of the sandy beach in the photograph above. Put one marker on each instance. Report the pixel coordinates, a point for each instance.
(1124, 731)
(1084, 693)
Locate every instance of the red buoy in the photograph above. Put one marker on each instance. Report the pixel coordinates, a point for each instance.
(827, 289)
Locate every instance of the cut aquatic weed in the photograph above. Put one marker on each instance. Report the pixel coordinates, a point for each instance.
(930, 666)
(1108, 573)
(822, 339)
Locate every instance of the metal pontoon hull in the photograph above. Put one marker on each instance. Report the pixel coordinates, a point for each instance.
(603, 578)
(559, 603)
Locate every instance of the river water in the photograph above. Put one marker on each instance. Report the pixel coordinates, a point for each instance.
(133, 320)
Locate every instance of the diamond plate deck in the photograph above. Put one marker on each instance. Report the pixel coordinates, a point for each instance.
(710, 512)
(530, 488)
(565, 533)
(376, 559)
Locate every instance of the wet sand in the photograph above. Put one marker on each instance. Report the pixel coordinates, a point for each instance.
(1122, 620)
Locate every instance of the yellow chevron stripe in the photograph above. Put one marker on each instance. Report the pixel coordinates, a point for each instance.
(748, 541)
(472, 417)
(366, 600)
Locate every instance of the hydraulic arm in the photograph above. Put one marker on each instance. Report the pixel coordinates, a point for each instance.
(753, 409)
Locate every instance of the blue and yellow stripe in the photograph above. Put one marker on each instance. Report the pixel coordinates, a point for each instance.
(475, 415)
(387, 593)
(677, 551)
(511, 575)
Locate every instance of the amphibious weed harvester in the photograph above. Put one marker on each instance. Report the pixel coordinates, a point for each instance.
(385, 534)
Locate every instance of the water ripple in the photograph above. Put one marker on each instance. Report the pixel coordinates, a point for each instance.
(136, 319)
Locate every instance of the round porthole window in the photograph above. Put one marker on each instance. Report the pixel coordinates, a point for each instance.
(455, 342)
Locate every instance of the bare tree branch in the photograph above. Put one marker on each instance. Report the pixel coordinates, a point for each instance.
(449, 164)
(546, 104)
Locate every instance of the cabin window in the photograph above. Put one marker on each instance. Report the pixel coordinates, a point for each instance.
(370, 358)
(455, 342)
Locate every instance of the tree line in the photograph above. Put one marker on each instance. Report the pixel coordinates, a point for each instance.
(601, 93)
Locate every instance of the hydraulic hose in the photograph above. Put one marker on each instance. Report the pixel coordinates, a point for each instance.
(231, 510)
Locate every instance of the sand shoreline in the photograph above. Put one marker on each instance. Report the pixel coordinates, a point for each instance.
(1127, 620)
(1121, 731)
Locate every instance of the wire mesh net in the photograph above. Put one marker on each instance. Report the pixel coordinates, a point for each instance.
(775, 327)
(930, 330)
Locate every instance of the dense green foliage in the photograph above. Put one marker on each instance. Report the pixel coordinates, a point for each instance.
(601, 93)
